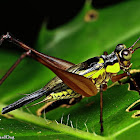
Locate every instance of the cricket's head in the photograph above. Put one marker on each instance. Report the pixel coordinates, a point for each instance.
(125, 54)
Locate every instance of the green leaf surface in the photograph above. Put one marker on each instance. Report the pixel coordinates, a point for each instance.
(75, 41)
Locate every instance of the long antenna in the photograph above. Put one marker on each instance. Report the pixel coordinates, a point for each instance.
(135, 42)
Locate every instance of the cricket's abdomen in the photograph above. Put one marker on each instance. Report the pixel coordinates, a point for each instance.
(67, 94)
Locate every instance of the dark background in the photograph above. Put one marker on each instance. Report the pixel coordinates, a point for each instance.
(24, 18)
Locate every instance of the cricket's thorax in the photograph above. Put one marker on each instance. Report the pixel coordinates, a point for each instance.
(100, 69)
(111, 63)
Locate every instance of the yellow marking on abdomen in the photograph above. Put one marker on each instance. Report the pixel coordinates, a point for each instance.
(63, 95)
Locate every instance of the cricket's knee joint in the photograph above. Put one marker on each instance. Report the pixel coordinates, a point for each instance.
(29, 52)
(39, 112)
(7, 36)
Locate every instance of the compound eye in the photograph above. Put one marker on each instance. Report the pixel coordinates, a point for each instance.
(126, 54)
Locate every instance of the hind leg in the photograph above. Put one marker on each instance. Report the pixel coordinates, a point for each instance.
(54, 104)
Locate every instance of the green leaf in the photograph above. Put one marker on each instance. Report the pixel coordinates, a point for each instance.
(75, 41)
